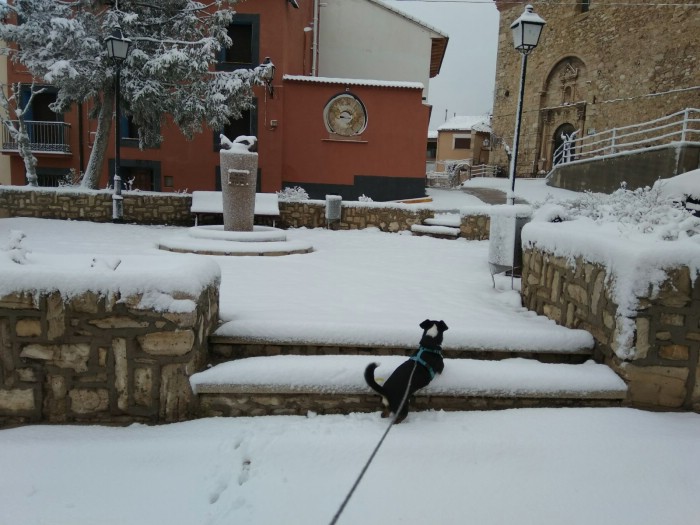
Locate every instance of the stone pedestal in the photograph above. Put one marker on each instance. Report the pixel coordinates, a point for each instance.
(239, 173)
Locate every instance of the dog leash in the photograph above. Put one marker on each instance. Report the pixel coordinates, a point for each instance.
(376, 449)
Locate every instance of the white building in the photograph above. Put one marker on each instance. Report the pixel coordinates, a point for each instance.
(371, 39)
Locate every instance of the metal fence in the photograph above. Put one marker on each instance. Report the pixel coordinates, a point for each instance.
(683, 126)
(44, 137)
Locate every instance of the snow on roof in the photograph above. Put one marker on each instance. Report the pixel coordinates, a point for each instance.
(466, 123)
(356, 82)
(432, 134)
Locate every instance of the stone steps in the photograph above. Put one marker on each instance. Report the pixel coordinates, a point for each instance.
(331, 384)
(226, 348)
(441, 232)
(441, 227)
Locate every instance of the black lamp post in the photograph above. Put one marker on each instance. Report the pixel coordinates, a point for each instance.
(117, 50)
(526, 35)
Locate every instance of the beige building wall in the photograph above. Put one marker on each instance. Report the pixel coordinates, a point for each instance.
(621, 62)
(4, 159)
(446, 147)
(477, 153)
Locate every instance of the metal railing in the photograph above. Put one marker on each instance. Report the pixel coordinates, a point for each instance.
(483, 170)
(683, 126)
(455, 172)
(44, 137)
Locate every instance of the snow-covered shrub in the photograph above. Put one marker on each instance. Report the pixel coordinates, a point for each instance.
(14, 249)
(297, 193)
(644, 210)
(365, 198)
(72, 179)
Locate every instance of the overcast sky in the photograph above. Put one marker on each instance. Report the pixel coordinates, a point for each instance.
(466, 81)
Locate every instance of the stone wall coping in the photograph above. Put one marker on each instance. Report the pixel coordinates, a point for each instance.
(161, 281)
(78, 190)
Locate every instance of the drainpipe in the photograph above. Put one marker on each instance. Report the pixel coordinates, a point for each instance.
(81, 142)
(314, 57)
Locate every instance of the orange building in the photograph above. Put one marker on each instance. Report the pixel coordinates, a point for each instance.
(328, 135)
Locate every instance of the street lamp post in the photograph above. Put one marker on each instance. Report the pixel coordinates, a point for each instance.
(117, 50)
(526, 35)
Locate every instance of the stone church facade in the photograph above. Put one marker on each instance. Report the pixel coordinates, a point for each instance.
(600, 64)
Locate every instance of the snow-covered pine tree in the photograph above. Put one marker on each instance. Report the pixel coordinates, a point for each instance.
(168, 75)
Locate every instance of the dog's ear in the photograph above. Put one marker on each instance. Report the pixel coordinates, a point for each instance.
(425, 324)
(442, 326)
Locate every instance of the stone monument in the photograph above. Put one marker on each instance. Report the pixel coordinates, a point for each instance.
(239, 174)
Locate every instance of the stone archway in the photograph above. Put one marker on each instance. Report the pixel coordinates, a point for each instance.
(562, 106)
(557, 140)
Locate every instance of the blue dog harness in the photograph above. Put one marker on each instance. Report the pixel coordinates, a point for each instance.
(418, 358)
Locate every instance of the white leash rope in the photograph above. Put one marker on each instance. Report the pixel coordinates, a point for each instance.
(376, 449)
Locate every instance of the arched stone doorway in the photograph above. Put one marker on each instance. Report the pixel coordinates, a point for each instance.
(558, 140)
(562, 106)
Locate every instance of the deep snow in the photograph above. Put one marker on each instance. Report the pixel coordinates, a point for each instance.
(543, 467)
(524, 467)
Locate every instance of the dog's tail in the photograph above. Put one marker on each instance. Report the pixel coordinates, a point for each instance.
(369, 378)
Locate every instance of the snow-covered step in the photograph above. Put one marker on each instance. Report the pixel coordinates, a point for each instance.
(436, 231)
(451, 220)
(225, 347)
(335, 384)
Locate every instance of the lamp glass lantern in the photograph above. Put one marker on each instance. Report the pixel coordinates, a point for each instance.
(527, 30)
(117, 45)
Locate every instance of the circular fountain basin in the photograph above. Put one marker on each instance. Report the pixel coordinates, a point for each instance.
(214, 240)
(259, 234)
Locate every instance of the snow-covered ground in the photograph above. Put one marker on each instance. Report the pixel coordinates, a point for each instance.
(524, 467)
(544, 467)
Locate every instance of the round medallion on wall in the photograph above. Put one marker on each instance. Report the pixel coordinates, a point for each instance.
(345, 115)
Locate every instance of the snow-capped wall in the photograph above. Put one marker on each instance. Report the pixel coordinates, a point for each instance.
(94, 357)
(653, 343)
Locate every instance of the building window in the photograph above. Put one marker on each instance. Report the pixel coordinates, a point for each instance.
(141, 175)
(168, 181)
(52, 177)
(246, 125)
(244, 32)
(431, 151)
(462, 142)
(585, 5)
(40, 110)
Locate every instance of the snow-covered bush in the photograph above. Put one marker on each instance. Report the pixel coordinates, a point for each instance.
(289, 194)
(365, 198)
(644, 210)
(14, 249)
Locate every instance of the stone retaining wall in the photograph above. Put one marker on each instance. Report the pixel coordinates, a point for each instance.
(100, 359)
(663, 371)
(300, 404)
(312, 214)
(174, 209)
(94, 205)
(475, 227)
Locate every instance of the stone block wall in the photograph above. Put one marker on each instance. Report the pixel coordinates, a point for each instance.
(95, 206)
(475, 227)
(100, 359)
(312, 214)
(662, 369)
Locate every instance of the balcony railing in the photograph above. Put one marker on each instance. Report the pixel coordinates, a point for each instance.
(683, 126)
(45, 137)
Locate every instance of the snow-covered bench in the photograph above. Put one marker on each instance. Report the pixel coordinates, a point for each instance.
(266, 204)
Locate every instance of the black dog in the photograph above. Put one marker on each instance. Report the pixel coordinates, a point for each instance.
(420, 369)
